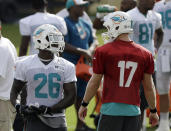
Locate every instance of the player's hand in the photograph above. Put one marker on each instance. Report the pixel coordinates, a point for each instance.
(21, 109)
(153, 119)
(17, 107)
(82, 113)
(45, 110)
(41, 110)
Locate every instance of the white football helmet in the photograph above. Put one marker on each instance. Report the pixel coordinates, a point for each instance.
(48, 37)
(116, 23)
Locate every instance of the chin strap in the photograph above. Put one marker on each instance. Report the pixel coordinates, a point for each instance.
(45, 60)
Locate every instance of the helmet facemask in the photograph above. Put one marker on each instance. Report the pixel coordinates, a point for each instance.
(56, 43)
(47, 37)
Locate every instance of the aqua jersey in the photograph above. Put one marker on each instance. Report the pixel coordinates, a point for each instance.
(120, 109)
(79, 35)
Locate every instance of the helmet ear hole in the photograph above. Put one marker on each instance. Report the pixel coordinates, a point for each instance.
(117, 28)
(39, 41)
(47, 38)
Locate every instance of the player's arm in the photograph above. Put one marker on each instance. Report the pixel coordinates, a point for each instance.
(68, 100)
(149, 90)
(93, 46)
(159, 37)
(150, 94)
(16, 89)
(75, 50)
(24, 45)
(92, 87)
(91, 90)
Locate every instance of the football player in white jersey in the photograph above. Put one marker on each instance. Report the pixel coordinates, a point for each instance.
(50, 82)
(145, 24)
(164, 64)
(28, 24)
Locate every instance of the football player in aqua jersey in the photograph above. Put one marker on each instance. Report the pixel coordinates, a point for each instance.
(50, 82)
(164, 64)
(124, 65)
(146, 23)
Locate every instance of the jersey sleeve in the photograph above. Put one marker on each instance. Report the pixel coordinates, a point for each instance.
(24, 27)
(67, 36)
(70, 74)
(98, 62)
(63, 13)
(62, 26)
(87, 18)
(14, 50)
(149, 64)
(5, 57)
(133, 23)
(20, 71)
(4, 62)
(156, 7)
(158, 20)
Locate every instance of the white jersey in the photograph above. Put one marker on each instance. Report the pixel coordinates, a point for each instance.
(144, 27)
(45, 82)
(8, 56)
(164, 8)
(28, 24)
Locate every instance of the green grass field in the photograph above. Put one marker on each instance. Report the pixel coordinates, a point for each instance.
(11, 31)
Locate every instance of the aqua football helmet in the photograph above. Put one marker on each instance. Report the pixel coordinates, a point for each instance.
(48, 37)
(116, 23)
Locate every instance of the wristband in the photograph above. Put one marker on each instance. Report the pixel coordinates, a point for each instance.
(153, 110)
(84, 104)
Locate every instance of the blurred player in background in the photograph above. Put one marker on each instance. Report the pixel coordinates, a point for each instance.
(8, 58)
(127, 5)
(50, 82)
(28, 24)
(105, 9)
(124, 65)
(102, 10)
(164, 64)
(145, 24)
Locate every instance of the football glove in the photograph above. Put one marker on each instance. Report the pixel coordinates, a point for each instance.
(26, 111)
(42, 110)
(22, 110)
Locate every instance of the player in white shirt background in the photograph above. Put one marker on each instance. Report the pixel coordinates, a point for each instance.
(8, 57)
(164, 64)
(28, 24)
(50, 82)
(146, 23)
